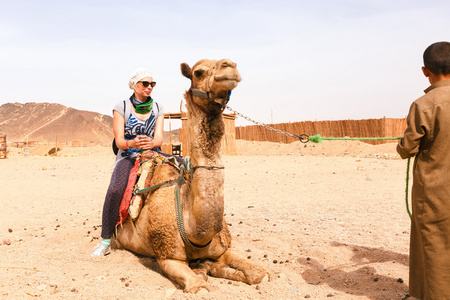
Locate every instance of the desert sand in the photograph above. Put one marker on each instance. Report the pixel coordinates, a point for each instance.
(329, 220)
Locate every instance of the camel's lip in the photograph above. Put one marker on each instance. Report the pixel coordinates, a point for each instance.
(226, 78)
(228, 83)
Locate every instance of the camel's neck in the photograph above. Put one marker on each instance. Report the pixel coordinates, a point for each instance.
(204, 202)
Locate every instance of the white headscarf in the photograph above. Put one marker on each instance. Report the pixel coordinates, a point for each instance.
(138, 75)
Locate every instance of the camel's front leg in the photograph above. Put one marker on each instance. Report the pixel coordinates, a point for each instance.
(219, 270)
(234, 267)
(180, 272)
(254, 273)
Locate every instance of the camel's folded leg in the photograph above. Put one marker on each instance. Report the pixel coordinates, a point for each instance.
(234, 267)
(219, 270)
(180, 272)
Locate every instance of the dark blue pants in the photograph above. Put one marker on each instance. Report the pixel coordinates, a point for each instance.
(114, 195)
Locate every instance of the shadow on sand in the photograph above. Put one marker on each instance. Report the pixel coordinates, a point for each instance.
(152, 264)
(358, 277)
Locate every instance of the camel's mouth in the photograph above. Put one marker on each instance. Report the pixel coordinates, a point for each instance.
(227, 82)
(227, 78)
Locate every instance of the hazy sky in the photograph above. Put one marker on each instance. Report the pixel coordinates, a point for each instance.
(299, 60)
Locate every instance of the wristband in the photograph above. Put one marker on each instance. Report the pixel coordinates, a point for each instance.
(126, 143)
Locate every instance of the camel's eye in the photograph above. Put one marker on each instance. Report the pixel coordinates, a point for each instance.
(199, 73)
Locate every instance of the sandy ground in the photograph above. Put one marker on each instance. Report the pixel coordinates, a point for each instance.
(329, 220)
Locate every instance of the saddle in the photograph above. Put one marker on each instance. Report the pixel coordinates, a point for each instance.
(140, 178)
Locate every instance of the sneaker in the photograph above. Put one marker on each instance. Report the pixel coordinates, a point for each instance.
(101, 250)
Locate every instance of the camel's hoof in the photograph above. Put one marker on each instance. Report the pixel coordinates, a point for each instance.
(203, 289)
(196, 285)
(261, 276)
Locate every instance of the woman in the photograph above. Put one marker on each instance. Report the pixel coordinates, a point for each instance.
(138, 124)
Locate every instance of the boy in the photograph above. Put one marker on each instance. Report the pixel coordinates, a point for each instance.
(427, 137)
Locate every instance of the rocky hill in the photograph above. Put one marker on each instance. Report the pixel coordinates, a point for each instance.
(44, 122)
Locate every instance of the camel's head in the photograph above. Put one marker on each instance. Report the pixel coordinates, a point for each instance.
(212, 81)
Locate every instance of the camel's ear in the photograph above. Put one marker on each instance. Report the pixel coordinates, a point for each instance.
(186, 70)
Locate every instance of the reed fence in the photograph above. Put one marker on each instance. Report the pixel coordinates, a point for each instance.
(385, 127)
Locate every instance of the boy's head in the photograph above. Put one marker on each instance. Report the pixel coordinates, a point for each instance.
(436, 58)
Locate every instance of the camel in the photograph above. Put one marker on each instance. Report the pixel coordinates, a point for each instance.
(203, 244)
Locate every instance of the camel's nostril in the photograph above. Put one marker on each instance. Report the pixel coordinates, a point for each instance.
(228, 63)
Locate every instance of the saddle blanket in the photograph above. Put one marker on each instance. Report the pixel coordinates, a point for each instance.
(140, 177)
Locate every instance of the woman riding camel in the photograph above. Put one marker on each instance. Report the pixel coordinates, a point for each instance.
(138, 124)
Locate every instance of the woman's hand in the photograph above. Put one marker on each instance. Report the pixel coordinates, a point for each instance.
(143, 142)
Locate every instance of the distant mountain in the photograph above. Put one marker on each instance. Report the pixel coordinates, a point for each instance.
(51, 121)
(46, 122)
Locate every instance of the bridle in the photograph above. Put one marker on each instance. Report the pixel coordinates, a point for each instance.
(208, 94)
(186, 171)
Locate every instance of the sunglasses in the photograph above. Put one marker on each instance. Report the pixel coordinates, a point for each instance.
(147, 83)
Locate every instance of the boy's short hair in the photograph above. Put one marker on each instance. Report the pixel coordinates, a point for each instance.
(436, 58)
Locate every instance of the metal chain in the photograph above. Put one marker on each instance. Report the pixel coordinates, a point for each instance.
(302, 137)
